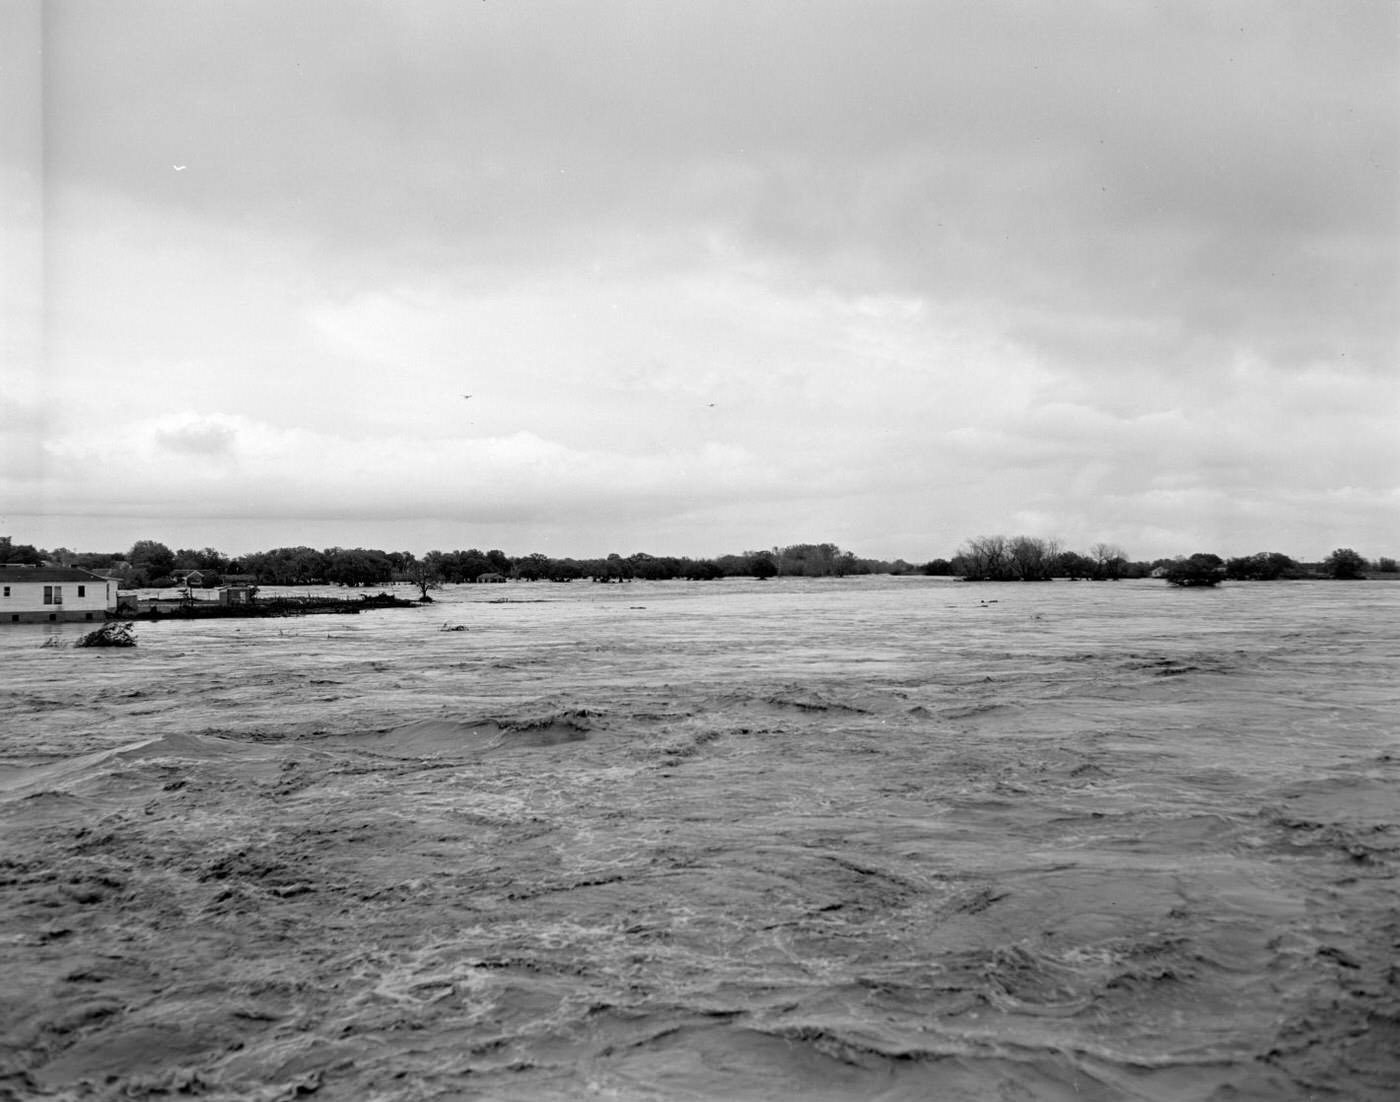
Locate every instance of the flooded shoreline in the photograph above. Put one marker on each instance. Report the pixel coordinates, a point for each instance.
(875, 838)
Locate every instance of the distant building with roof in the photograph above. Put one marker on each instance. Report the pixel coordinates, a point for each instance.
(38, 594)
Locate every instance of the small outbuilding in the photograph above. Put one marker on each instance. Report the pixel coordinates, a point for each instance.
(38, 594)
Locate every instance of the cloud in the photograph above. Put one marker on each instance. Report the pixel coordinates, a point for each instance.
(1225, 173)
(21, 446)
(517, 477)
(710, 269)
(198, 436)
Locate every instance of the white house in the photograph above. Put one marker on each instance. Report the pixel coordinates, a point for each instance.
(36, 594)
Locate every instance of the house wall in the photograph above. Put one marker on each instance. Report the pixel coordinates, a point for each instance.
(24, 602)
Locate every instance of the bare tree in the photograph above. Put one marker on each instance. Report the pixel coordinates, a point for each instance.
(426, 574)
(986, 559)
(1033, 559)
(1110, 560)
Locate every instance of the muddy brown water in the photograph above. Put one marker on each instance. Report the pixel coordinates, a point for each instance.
(879, 838)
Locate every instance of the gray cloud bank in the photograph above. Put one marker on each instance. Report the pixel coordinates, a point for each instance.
(1227, 169)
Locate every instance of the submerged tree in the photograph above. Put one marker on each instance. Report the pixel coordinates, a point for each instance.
(985, 559)
(1110, 561)
(1198, 570)
(762, 566)
(1344, 563)
(1266, 566)
(425, 574)
(1032, 559)
(998, 559)
(357, 566)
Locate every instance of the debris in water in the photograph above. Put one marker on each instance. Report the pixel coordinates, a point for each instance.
(109, 635)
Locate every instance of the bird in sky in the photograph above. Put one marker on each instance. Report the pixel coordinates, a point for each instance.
(466, 395)
(179, 168)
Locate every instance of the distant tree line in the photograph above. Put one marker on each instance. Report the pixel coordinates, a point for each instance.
(150, 563)
(1031, 559)
(1208, 569)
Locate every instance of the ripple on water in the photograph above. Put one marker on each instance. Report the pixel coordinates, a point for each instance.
(879, 838)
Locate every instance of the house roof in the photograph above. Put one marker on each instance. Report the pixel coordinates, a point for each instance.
(11, 574)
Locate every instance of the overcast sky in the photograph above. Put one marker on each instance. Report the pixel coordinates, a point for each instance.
(715, 275)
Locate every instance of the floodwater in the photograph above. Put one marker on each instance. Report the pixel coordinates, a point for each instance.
(876, 838)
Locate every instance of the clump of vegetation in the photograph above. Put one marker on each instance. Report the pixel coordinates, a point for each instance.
(1032, 559)
(1266, 566)
(109, 635)
(1345, 564)
(998, 559)
(1200, 569)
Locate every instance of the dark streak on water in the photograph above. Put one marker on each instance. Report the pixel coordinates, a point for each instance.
(861, 839)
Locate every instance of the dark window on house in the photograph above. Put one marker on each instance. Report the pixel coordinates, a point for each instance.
(48, 594)
(7, 591)
(53, 616)
(88, 616)
(82, 591)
